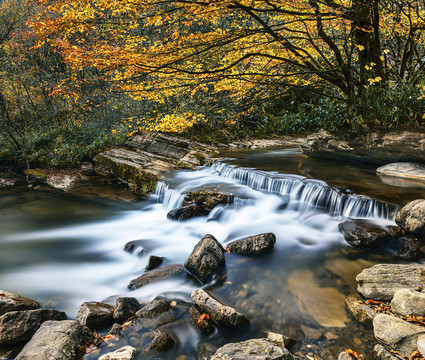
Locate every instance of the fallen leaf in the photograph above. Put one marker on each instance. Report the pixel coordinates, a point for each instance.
(352, 353)
(227, 249)
(202, 317)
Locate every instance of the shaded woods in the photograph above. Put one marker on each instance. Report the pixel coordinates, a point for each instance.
(78, 75)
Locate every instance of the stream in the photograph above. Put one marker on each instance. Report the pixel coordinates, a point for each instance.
(64, 249)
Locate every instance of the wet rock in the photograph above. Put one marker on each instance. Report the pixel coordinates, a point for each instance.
(157, 275)
(407, 170)
(220, 313)
(124, 353)
(59, 340)
(206, 326)
(186, 212)
(154, 309)
(411, 218)
(115, 330)
(409, 248)
(208, 198)
(362, 312)
(154, 262)
(206, 351)
(206, 259)
(383, 354)
(381, 281)
(281, 340)
(397, 334)
(261, 349)
(125, 308)
(161, 342)
(408, 303)
(251, 245)
(95, 315)
(14, 302)
(364, 233)
(20, 326)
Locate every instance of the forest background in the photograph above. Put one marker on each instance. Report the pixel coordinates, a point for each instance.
(77, 76)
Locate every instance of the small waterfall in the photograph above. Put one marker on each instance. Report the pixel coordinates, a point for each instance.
(308, 193)
(171, 198)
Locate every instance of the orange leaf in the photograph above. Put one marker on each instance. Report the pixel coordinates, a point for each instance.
(352, 353)
(374, 302)
(202, 317)
(228, 250)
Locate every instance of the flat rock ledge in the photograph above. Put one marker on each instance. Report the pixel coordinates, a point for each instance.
(372, 147)
(381, 281)
(407, 170)
(145, 159)
(254, 349)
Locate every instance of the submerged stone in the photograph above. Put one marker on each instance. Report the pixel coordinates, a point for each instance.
(363, 233)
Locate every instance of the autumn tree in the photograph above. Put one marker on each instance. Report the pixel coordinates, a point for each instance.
(241, 50)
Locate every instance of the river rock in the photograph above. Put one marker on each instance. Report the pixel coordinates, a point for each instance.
(404, 170)
(409, 247)
(20, 326)
(145, 159)
(14, 302)
(381, 281)
(362, 312)
(411, 218)
(208, 198)
(154, 309)
(281, 340)
(124, 353)
(260, 349)
(251, 245)
(206, 351)
(186, 212)
(95, 315)
(154, 262)
(220, 313)
(383, 354)
(125, 308)
(206, 259)
(345, 356)
(157, 275)
(206, 326)
(58, 340)
(373, 147)
(161, 342)
(407, 302)
(396, 333)
(363, 233)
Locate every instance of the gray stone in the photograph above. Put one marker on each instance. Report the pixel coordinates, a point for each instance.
(58, 340)
(206, 326)
(411, 218)
(409, 248)
(20, 326)
(381, 281)
(407, 302)
(206, 351)
(206, 259)
(362, 312)
(220, 313)
(254, 349)
(161, 342)
(154, 262)
(383, 354)
(154, 309)
(125, 308)
(14, 302)
(124, 353)
(407, 170)
(362, 233)
(95, 315)
(281, 340)
(251, 245)
(157, 275)
(396, 333)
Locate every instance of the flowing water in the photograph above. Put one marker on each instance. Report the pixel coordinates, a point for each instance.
(63, 250)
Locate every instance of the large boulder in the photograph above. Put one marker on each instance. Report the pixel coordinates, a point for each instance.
(397, 334)
(381, 281)
(14, 302)
(411, 218)
(20, 326)
(220, 313)
(58, 340)
(254, 349)
(364, 233)
(252, 245)
(95, 315)
(373, 147)
(146, 158)
(157, 275)
(206, 259)
(407, 302)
